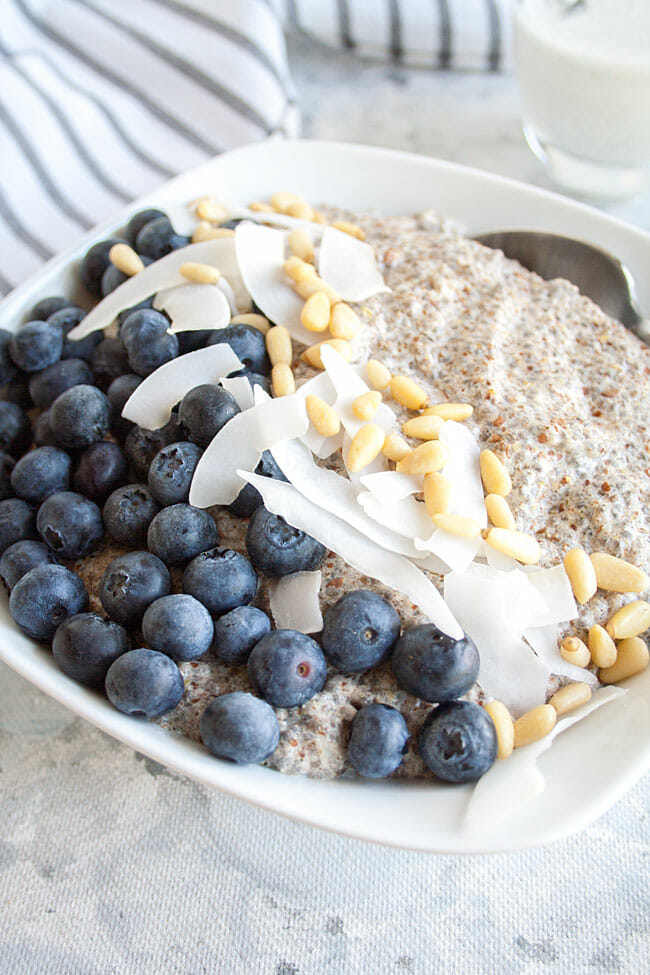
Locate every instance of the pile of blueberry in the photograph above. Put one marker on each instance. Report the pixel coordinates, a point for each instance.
(78, 472)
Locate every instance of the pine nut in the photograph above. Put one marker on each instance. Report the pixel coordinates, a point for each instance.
(318, 217)
(423, 427)
(499, 512)
(301, 245)
(457, 525)
(258, 207)
(629, 621)
(365, 406)
(570, 697)
(574, 651)
(211, 211)
(315, 315)
(366, 445)
(632, 659)
(311, 284)
(450, 411)
(407, 392)
(205, 231)
(601, 646)
(283, 199)
(297, 269)
(438, 490)
(323, 418)
(349, 228)
(200, 273)
(312, 355)
(125, 259)
(282, 381)
(428, 457)
(379, 376)
(504, 727)
(520, 546)
(344, 322)
(259, 322)
(278, 346)
(300, 210)
(535, 724)
(395, 447)
(617, 575)
(581, 573)
(496, 479)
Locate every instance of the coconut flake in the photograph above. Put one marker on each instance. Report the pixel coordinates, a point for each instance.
(151, 403)
(240, 444)
(241, 389)
(554, 589)
(545, 642)
(349, 266)
(295, 604)
(389, 487)
(407, 517)
(226, 288)
(464, 472)
(193, 307)
(360, 552)
(348, 384)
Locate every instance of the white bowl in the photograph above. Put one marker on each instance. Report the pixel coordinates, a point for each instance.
(592, 764)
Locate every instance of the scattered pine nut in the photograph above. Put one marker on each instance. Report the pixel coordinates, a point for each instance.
(282, 381)
(574, 651)
(315, 315)
(504, 727)
(211, 211)
(312, 283)
(125, 259)
(518, 545)
(425, 459)
(407, 392)
(395, 447)
(495, 477)
(318, 217)
(259, 322)
(301, 245)
(581, 573)
(322, 417)
(365, 406)
(629, 621)
(300, 210)
(423, 427)
(283, 199)
(278, 345)
(366, 445)
(349, 228)
(632, 659)
(297, 269)
(457, 525)
(200, 273)
(312, 355)
(499, 512)
(450, 411)
(344, 322)
(438, 491)
(205, 231)
(258, 207)
(617, 575)
(535, 724)
(379, 376)
(570, 697)
(601, 647)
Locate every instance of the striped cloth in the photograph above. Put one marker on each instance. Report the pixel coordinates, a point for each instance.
(102, 100)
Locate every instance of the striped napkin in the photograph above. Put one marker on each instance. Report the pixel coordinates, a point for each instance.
(102, 100)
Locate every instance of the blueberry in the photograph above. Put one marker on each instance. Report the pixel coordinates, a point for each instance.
(141, 446)
(40, 473)
(220, 579)
(66, 319)
(124, 314)
(378, 740)
(179, 626)
(95, 263)
(6, 466)
(109, 360)
(112, 278)
(15, 429)
(137, 222)
(8, 368)
(80, 416)
(16, 522)
(70, 524)
(20, 557)
(205, 410)
(249, 498)
(433, 666)
(36, 345)
(47, 306)
(119, 391)
(46, 385)
(278, 549)
(157, 238)
(85, 646)
(192, 340)
(236, 633)
(240, 728)
(130, 583)
(458, 741)
(44, 598)
(102, 468)
(248, 344)
(287, 668)
(171, 472)
(128, 512)
(359, 631)
(180, 532)
(146, 340)
(144, 684)
(43, 432)
(17, 391)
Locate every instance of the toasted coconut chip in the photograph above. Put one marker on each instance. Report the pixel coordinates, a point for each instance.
(151, 404)
(463, 470)
(510, 784)
(192, 307)
(295, 604)
(260, 254)
(241, 389)
(241, 443)
(389, 487)
(545, 642)
(349, 266)
(356, 549)
(348, 385)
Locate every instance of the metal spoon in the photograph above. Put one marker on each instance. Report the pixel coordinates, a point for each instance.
(595, 272)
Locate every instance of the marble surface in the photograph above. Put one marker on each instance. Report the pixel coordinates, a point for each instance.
(110, 864)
